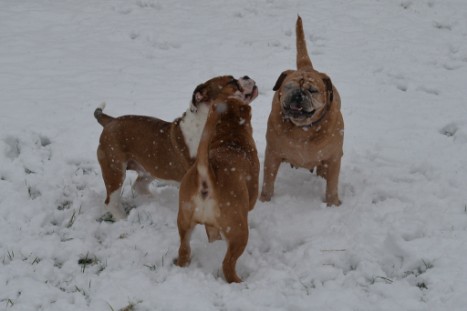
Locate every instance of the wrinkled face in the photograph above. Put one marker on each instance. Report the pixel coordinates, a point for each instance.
(243, 88)
(303, 96)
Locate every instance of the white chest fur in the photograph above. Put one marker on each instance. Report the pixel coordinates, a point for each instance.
(192, 127)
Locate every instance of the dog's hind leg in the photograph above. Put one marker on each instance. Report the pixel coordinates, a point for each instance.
(114, 205)
(113, 175)
(185, 228)
(236, 243)
(141, 185)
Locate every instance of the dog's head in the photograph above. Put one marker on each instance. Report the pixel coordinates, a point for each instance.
(304, 95)
(223, 87)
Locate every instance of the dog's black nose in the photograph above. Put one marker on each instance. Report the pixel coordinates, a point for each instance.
(246, 78)
(297, 99)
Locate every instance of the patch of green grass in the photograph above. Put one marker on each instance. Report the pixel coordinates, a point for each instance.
(8, 302)
(65, 205)
(422, 285)
(151, 267)
(73, 218)
(11, 255)
(87, 261)
(131, 307)
(107, 217)
(385, 279)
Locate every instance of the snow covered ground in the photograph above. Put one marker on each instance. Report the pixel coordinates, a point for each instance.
(399, 240)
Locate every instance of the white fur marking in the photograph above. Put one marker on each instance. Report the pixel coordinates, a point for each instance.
(114, 205)
(192, 127)
(206, 210)
(202, 170)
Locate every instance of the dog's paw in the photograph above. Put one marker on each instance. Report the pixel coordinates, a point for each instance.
(265, 197)
(334, 202)
(181, 262)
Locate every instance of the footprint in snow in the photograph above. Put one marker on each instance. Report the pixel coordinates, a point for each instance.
(33, 192)
(456, 130)
(163, 45)
(442, 26)
(428, 90)
(44, 141)
(399, 81)
(134, 35)
(457, 57)
(13, 147)
(145, 4)
(406, 4)
(123, 10)
(317, 41)
(402, 86)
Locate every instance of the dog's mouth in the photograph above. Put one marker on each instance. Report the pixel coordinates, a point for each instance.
(249, 97)
(247, 89)
(298, 104)
(297, 112)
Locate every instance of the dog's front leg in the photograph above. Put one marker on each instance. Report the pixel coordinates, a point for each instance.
(332, 169)
(271, 167)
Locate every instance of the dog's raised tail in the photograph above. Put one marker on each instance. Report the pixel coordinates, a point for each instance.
(101, 117)
(303, 59)
(202, 157)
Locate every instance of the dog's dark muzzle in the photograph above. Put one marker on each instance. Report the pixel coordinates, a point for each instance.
(298, 105)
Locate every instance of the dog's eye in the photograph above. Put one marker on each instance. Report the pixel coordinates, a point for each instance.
(235, 83)
(313, 90)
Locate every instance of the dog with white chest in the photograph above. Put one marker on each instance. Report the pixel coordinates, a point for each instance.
(154, 148)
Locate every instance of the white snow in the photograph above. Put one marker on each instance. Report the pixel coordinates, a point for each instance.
(399, 240)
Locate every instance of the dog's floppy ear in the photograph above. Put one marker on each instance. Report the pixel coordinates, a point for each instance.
(281, 79)
(199, 94)
(328, 84)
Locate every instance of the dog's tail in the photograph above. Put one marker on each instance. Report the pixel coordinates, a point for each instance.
(101, 117)
(202, 157)
(303, 59)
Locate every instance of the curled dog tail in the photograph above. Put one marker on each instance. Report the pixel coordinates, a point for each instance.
(101, 117)
(202, 157)
(303, 59)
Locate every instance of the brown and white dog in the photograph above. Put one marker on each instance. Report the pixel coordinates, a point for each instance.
(157, 149)
(305, 127)
(222, 186)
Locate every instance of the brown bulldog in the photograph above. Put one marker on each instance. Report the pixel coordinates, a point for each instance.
(157, 149)
(305, 127)
(222, 186)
